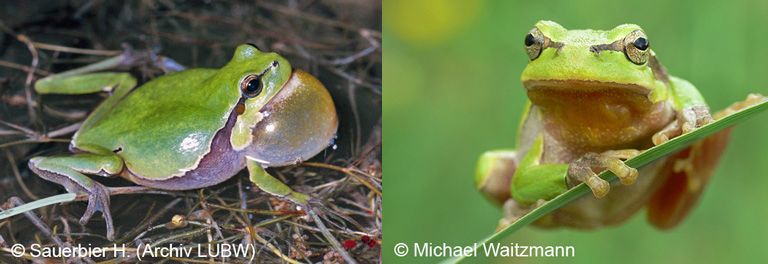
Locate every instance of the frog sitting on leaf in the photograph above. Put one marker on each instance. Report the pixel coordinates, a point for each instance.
(192, 129)
(597, 98)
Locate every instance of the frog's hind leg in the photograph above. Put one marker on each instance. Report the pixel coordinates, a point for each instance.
(688, 119)
(68, 171)
(688, 171)
(583, 170)
(493, 176)
(85, 80)
(84, 83)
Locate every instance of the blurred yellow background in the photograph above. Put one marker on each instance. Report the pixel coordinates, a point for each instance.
(452, 69)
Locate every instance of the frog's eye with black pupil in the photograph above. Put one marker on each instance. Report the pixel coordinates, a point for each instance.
(529, 40)
(641, 43)
(637, 47)
(534, 43)
(252, 86)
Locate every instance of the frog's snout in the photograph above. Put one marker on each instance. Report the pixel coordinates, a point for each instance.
(299, 122)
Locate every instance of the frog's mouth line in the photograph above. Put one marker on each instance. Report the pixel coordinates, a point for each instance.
(579, 86)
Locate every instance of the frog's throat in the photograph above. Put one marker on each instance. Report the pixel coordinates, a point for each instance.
(596, 115)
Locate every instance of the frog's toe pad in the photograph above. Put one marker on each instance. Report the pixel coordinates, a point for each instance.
(599, 186)
(626, 174)
(660, 138)
(630, 177)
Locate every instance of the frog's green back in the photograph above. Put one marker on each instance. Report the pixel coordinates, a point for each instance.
(164, 127)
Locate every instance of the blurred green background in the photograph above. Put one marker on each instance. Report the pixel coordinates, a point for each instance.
(452, 69)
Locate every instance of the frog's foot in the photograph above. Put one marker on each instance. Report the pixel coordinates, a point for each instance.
(98, 198)
(68, 171)
(752, 99)
(513, 211)
(583, 170)
(98, 201)
(688, 119)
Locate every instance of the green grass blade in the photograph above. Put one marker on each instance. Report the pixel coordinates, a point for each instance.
(644, 158)
(67, 197)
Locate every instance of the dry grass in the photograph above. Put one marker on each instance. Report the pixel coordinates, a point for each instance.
(338, 41)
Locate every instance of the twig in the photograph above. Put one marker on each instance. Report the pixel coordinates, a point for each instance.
(314, 18)
(331, 239)
(30, 75)
(151, 218)
(16, 174)
(45, 46)
(25, 68)
(275, 250)
(44, 228)
(350, 172)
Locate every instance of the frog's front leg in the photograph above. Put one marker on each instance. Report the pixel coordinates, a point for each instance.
(687, 120)
(585, 170)
(68, 171)
(273, 186)
(692, 111)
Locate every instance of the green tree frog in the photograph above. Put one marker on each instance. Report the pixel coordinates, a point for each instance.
(193, 128)
(597, 98)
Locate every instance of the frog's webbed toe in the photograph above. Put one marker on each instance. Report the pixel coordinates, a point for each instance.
(98, 196)
(68, 171)
(583, 170)
(98, 201)
(688, 119)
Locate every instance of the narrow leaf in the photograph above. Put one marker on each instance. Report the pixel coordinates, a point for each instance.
(67, 197)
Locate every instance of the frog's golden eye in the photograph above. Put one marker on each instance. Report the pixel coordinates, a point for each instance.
(636, 47)
(534, 43)
(251, 86)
